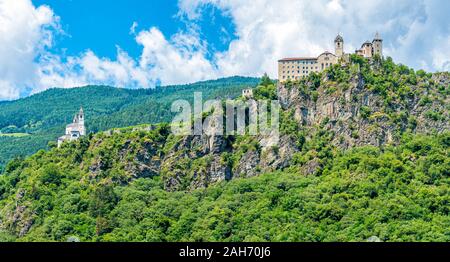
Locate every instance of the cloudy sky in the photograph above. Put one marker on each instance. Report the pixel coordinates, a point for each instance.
(142, 43)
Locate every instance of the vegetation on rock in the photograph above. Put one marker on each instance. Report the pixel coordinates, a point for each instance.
(43, 116)
(363, 152)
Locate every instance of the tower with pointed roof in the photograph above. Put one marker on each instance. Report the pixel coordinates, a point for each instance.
(339, 46)
(377, 45)
(74, 130)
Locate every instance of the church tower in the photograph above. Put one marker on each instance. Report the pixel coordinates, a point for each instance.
(339, 46)
(377, 45)
(74, 130)
(81, 122)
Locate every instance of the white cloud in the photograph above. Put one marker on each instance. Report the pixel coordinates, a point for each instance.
(440, 54)
(27, 64)
(25, 32)
(180, 60)
(133, 28)
(415, 33)
(90, 69)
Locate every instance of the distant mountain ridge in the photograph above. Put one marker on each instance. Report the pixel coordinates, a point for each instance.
(45, 114)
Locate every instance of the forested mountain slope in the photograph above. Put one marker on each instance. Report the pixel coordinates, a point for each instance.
(28, 124)
(363, 151)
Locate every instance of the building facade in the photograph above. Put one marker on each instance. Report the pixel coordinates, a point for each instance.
(74, 130)
(247, 93)
(295, 68)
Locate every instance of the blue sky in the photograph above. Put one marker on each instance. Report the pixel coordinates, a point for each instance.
(145, 43)
(100, 25)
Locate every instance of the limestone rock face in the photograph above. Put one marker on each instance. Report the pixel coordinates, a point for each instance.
(20, 217)
(357, 115)
(202, 149)
(214, 172)
(311, 167)
(207, 164)
(195, 161)
(278, 156)
(354, 114)
(248, 164)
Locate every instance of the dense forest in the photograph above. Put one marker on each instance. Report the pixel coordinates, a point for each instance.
(28, 124)
(364, 153)
(395, 193)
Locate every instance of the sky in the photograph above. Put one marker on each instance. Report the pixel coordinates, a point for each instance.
(146, 43)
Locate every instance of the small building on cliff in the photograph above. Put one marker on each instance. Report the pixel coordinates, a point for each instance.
(74, 130)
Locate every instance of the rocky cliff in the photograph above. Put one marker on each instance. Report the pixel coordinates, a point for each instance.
(360, 104)
(359, 115)
(352, 109)
(357, 105)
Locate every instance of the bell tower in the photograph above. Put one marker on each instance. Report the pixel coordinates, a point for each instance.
(81, 122)
(339, 46)
(377, 45)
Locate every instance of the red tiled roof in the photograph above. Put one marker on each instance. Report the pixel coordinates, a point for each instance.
(297, 58)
